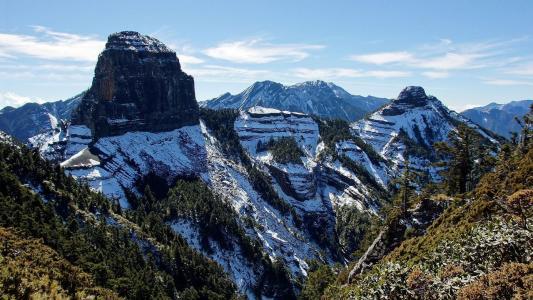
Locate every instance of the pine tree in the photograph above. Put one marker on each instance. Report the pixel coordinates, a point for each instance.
(461, 155)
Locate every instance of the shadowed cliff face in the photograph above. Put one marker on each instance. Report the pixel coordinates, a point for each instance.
(138, 85)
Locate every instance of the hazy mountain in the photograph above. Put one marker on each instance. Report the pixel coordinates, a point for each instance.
(32, 118)
(499, 118)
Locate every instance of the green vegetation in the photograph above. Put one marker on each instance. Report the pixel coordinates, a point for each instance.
(334, 131)
(30, 269)
(479, 248)
(464, 159)
(216, 219)
(284, 150)
(220, 124)
(38, 200)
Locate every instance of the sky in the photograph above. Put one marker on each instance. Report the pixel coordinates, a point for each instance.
(466, 53)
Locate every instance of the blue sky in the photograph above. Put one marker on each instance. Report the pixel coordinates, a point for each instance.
(467, 53)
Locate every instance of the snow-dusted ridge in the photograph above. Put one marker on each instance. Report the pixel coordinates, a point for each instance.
(413, 115)
(114, 165)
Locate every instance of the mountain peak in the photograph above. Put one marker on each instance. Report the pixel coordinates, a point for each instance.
(138, 85)
(412, 95)
(134, 41)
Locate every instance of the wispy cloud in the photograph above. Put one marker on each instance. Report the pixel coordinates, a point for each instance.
(335, 73)
(227, 74)
(51, 45)
(189, 59)
(523, 69)
(507, 82)
(15, 100)
(257, 51)
(444, 56)
(436, 74)
(382, 58)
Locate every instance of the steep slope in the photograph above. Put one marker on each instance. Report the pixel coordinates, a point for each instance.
(499, 118)
(410, 125)
(32, 119)
(479, 248)
(135, 255)
(261, 191)
(319, 98)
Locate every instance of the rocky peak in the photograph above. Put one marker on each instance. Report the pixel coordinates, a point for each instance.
(134, 41)
(138, 85)
(413, 95)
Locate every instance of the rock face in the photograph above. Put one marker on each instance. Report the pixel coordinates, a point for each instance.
(138, 85)
(409, 98)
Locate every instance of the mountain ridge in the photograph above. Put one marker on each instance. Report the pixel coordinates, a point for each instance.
(319, 98)
(499, 118)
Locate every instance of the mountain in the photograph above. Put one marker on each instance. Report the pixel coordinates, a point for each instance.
(319, 98)
(138, 85)
(499, 118)
(32, 119)
(260, 191)
(408, 127)
(478, 248)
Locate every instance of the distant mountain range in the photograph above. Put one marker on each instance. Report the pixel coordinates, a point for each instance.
(323, 99)
(499, 118)
(32, 119)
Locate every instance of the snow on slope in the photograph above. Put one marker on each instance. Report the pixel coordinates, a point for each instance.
(422, 119)
(124, 160)
(113, 165)
(319, 98)
(307, 185)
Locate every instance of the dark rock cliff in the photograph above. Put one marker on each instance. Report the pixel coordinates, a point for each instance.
(138, 85)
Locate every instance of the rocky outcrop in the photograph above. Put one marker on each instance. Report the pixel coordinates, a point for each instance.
(410, 125)
(410, 97)
(138, 85)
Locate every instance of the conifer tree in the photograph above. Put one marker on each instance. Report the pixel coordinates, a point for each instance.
(461, 155)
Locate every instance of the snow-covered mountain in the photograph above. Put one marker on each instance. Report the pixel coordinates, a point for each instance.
(318, 98)
(293, 209)
(315, 189)
(32, 119)
(411, 124)
(499, 118)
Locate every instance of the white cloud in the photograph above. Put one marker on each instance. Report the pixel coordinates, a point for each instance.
(189, 59)
(334, 73)
(521, 70)
(436, 74)
(51, 45)
(387, 74)
(448, 61)
(444, 56)
(382, 58)
(15, 100)
(259, 52)
(508, 82)
(227, 74)
(461, 107)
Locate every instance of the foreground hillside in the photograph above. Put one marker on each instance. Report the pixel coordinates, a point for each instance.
(479, 248)
(87, 241)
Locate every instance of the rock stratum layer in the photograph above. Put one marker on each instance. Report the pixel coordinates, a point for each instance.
(138, 85)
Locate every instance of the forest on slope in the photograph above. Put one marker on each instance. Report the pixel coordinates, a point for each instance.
(479, 247)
